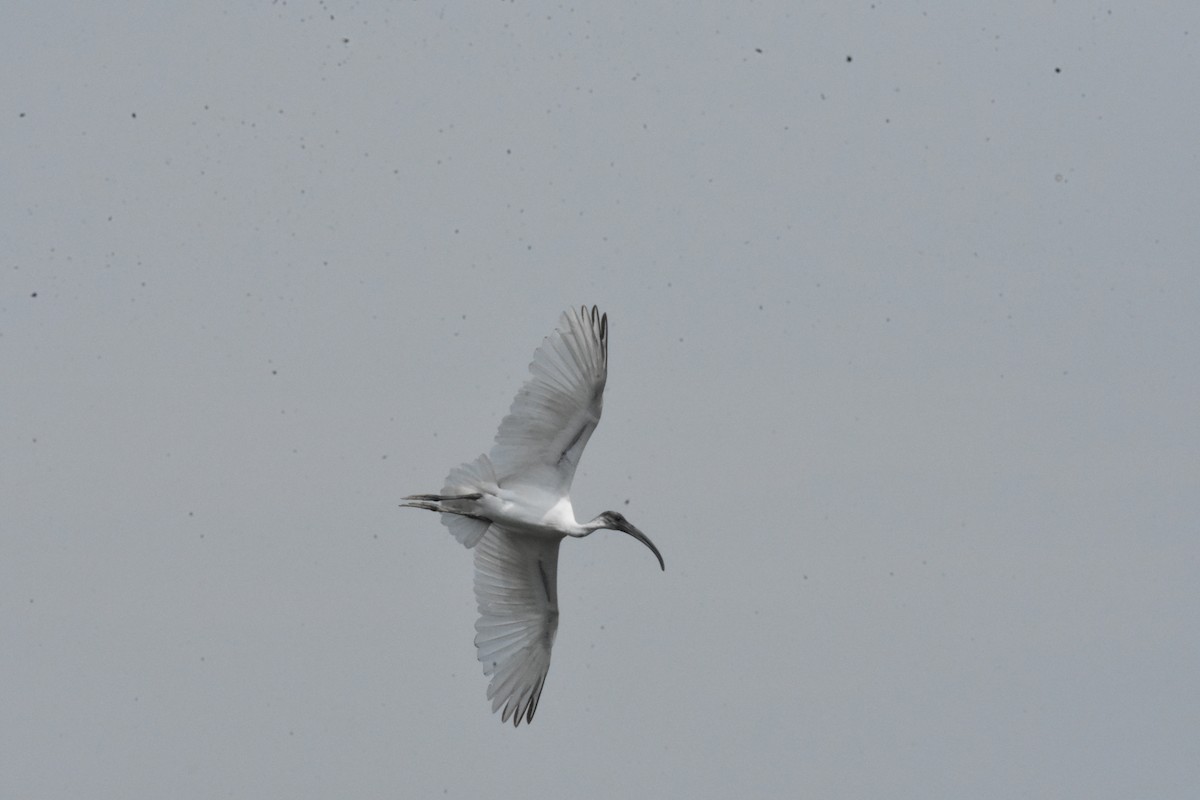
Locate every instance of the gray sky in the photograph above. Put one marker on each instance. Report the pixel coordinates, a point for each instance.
(903, 383)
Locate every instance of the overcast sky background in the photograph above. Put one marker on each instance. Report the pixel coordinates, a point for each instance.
(904, 379)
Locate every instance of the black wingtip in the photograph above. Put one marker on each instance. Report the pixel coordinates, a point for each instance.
(537, 695)
(603, 325)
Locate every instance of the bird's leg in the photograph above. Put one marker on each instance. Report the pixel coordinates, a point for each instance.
(435, 502)
(474, 496)
(421, 504)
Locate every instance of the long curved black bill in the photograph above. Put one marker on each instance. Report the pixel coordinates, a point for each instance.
(644, 539)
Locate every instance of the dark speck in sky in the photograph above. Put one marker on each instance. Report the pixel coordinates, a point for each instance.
(849, 59)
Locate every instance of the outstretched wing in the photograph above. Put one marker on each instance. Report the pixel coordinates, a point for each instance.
(515, 588)
(555, 412)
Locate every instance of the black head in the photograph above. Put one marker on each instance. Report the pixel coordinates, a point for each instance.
(617, 522)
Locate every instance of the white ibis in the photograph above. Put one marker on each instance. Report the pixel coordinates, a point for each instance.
(513, 506)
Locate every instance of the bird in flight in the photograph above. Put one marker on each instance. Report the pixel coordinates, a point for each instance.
(513, 506)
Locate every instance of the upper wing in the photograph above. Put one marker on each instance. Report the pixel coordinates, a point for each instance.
(515, 588)
(555, 412)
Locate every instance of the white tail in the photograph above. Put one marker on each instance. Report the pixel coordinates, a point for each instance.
(469, 478)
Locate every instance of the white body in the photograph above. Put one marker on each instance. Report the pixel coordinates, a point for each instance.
(518, 511)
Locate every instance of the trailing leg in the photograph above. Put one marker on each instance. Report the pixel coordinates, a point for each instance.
(440, 503)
